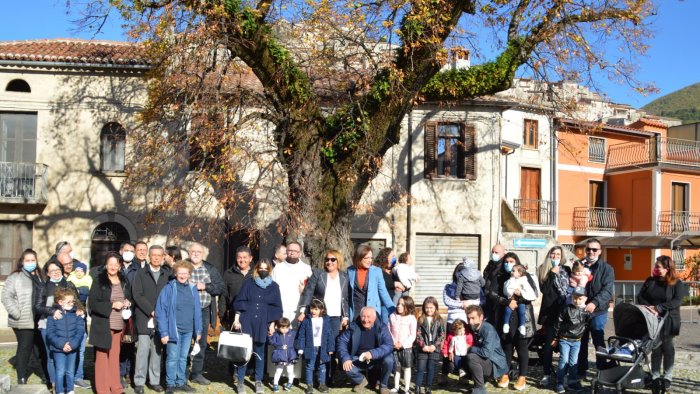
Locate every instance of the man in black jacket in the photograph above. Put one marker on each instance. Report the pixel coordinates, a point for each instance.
(210, 285)
(233, 280)
(490, 308)
(599, 291)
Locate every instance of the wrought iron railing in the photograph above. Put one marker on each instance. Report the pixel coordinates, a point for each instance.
(595, 219)
(675, 222)
(535, 211)
(653, 151)
(23, 183)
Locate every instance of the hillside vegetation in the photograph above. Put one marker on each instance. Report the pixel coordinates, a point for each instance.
(683, 104)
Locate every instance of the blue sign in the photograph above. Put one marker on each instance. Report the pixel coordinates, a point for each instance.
(534, 243)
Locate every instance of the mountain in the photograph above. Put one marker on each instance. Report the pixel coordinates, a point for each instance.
(683, 104)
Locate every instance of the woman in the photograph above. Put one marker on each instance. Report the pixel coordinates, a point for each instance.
(513, 339)
(179, 316)
(662, 293)
(172, 254)
(386, 260)
(554, 279)
(367, 286)
(330, 286)
(258, 306)
(17, 300)
(109, 295)
(43, 305)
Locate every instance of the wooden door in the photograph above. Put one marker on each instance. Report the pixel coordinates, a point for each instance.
(680, 217)
(530, 195)
(596, 199)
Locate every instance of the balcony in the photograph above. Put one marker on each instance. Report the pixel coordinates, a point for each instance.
(22, 183)
(655, 151)
(676, 222)
(539, 212)
(595, 219)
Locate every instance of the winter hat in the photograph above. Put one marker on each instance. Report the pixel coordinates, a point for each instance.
(468, 263)
(77, 265)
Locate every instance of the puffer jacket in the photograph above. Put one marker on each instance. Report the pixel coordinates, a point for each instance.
(283, 346)
(17, 300)
(70, 328)
(572, 323)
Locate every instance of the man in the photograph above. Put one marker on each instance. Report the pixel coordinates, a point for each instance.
(145, 289)
(128, 251)
(485, 358)
(210, 285)
(291, 276)
(364, 346)
(599, 291)
(490, 309)
(280, 255)
(66, 261)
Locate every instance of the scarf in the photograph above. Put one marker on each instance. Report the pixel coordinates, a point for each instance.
(263, 283)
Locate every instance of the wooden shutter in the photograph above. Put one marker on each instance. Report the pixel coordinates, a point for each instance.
(469, 158)
(430, 150)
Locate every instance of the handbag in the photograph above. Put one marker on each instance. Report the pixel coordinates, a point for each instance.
(128, 332)
(236, 347)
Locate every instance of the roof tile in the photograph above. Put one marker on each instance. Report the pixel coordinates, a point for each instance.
(76, 51)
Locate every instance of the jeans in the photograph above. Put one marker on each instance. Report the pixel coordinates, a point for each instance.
(547, 349)
(198, 360)
(522, 309)
(423, 366)
(386, 366)
(667, 350)
(597, 333)
(335, 331)
(65, 365)
(80, 360)
(148, 352)
(568, 358)
(176, 361)
(460, 362)
(258, 356)
(313, 362)
(51, 369)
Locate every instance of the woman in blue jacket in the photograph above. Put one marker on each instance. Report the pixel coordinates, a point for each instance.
(179, 319)
(258, 306)
(367, 286)
(64, 336)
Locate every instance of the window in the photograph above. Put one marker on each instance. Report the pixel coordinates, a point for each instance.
(107, 237)
(112, 147)
(15, 237)
(17, 138)
(596, 149)
(18, 85)
(450, 150)
(530, 133)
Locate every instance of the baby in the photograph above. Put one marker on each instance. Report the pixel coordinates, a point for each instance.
(518, 281)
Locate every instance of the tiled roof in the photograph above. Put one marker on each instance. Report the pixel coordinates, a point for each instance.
(652, 122)
(74, 51)
(584, 124)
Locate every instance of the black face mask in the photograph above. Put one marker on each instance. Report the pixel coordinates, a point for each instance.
(263, 274)
(292, 260)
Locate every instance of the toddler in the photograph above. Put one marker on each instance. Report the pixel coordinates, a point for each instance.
(469, 282)
(316, 345)
(402, 326)
(568, 331)
(406, 273)
(81, 280)
(458, 343)
(284, 356)
(518, 281)
(580, 275)
(65, 335)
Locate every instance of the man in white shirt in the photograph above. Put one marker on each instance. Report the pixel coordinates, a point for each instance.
(291, 276)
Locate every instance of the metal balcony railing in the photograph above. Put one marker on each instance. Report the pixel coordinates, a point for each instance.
(676, 222)
(23, 183)
(535, 211)
(654, 151)
(595, 219)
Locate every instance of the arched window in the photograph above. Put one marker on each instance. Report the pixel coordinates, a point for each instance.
(18, 85)
(112, 147)
(107, 237)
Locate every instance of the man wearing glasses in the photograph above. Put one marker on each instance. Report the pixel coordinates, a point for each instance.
(291, 276)
(599, 290)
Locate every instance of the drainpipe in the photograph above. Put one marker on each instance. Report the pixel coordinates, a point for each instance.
(409, 180)
(554, 176)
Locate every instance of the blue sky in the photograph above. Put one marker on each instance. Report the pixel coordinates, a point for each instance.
(671, 64)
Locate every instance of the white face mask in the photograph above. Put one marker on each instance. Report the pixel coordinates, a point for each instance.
(128, 256)
(126, 313)
(495, 257)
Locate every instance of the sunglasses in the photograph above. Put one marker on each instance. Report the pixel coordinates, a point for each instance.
(331, 259)
(592, 249)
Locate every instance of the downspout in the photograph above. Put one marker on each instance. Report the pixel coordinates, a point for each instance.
(554, 176)
(409, 180)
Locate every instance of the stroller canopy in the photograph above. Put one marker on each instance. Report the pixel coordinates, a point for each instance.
(636, 322)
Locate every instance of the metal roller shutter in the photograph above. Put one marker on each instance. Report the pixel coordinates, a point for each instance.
(435, 259)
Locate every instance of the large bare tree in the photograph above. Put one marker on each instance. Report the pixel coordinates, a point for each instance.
(306, 97)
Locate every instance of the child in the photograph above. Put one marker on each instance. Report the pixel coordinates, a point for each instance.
(429, 340)
(469, 282)
(457, 345)
(316, 344)
(568, 331)
(81, 281)
(283, 354)
(402, 326)
(406, 273)
(65, 336)
(579, 277)
(518, 281)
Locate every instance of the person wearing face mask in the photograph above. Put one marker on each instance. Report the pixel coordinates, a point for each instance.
(497, 253)
(599, 291)
(127, 353)
(485, 359)
(17, 300)
(568, 330)
(662, 294)
(258, 306)
(554, 280)
(291, 276)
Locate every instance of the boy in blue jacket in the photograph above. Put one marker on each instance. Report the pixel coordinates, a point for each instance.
(316, 345)
(65, 336)
(284, 356)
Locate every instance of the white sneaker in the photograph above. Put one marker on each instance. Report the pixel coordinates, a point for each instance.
(506, 328)
(462, 373)
(522, 330)
(546, 381)
(394, 390)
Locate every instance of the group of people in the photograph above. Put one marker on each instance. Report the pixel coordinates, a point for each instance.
(360, 321)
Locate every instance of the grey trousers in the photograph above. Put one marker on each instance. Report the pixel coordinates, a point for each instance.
(148, 353)
(667, 350)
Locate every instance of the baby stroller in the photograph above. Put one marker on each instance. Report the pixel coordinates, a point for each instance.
(636, 334)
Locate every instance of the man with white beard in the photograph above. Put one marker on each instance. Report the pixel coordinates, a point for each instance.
(291, 276)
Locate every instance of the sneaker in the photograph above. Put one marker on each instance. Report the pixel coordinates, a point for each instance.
(82, 384)
(360, 388)
(171, 390)
(506, 328)
(461, 373)
(122, 380)
(546, 381)
(323, 388)
(560, 389)
(520, 384)
(503, 381)
(288, 386)
(522, 331)
(201, 380)
(240, 387)
(394, 391)
(186, 388)
(157, 388)
(309, 389)
(259, 388)
(275, 388)
(138, 389)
